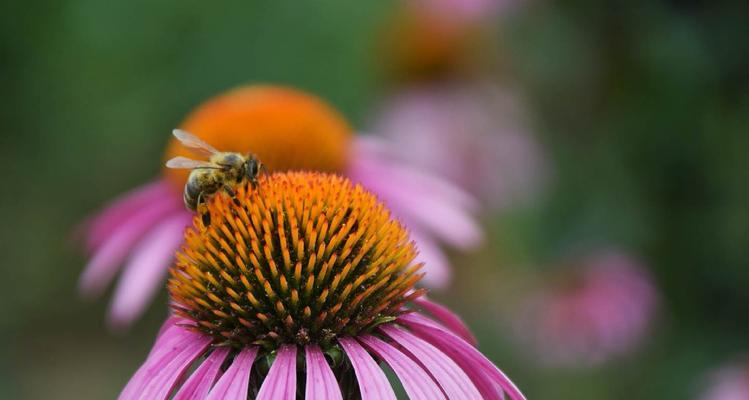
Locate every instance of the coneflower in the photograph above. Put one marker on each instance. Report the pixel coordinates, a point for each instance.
(288, 130)
(477, 125)
(729, 382)
(600, 307)
(301, 288)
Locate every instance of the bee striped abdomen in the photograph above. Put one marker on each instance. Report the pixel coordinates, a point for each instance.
(199, 186)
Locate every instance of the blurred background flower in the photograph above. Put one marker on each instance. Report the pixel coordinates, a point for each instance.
(639, 110)
(473, 134)
(728, 383)
(598, 307)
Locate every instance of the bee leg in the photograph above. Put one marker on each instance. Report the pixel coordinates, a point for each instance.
(202, 210)
(232, 193)
(229, 190)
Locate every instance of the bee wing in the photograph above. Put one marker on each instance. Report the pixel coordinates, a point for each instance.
(187, 163)
(189, 140)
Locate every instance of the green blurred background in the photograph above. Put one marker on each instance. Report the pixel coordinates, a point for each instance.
(643, 107)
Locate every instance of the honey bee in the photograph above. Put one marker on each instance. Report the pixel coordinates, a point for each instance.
(223, 170)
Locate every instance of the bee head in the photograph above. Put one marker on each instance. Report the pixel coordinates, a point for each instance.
(252, 167)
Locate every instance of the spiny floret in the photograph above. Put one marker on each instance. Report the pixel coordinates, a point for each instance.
(301, 258)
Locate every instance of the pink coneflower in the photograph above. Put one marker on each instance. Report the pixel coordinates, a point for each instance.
(728, 383)
(288, 130)
(601, 308)
(301, 288)
(473, 134)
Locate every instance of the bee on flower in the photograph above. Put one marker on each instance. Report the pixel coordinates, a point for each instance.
(300, 289)
(289, 130)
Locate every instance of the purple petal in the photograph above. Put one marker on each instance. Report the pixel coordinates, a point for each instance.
(280, 384)
(321, 382)
(417, 382)
(483, 372)
(103, 265)
(452, 379)
(144, 273)
(421, 205)
(374, 152)
(121, 209)
(436, 267)
(372, 381)
(417, 206)
(234, 384)
(172, 339)
(448, 318)
(157, 377)
(197, 386)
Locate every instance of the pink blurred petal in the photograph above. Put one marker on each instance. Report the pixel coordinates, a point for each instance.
(452, 379)
(372, 381)
(143, 274)
(448, 318)
(103, 265)
(199, 384)
(436, 266)
(728, 383)
(472, 133)
(484, 374)
(280, 384)
(417, 207)
(234, 384)
(321, 382)
(121, 209)
(371, 152)
(417, 382)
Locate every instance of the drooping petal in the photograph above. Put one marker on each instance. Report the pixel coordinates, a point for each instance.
(321, 382)
(410, 194)
(436, 268)
(454, 224)
(103, 265)
(143, 274)
(373, 384)
(171, 322)
(483, 372)
(447, 318)
(169, 341)
(374, 151)
(156, 378)
(452, 379)
(417, 382)
(103, 225)
(235, 382)
(280, 384)
(199, 383)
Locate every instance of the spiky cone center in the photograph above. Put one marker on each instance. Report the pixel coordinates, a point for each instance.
(289, 130)
(301, 258)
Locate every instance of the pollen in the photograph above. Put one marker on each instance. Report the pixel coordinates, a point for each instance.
(286, 128)
(303, 257)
